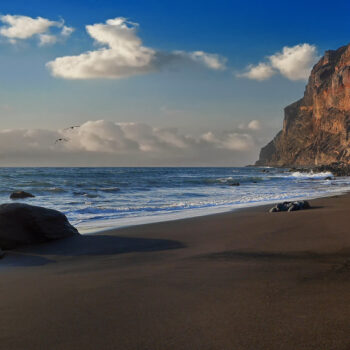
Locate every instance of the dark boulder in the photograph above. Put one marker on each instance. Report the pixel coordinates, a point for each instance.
(281, 206)
(290, 206)
(294, 207)
(22, 224)
(21, 195)
(234, 184)
(305, 205)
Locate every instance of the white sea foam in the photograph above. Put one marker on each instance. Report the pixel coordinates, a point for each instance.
(311, 175)
(104, 197)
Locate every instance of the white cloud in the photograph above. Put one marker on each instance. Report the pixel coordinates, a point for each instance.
(260, 72)
(110, 137)
(111, 143)
(212, 61)
(294, 63)
(230, 141)
(26, 141)
(18, 27)
(47, 39)
(122, 54)
(23, 27)
(67, 31)
(254, 125)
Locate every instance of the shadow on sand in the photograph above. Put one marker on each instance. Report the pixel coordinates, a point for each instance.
(42, 254)
(280, 256)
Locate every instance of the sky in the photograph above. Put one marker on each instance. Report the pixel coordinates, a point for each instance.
(154, 83)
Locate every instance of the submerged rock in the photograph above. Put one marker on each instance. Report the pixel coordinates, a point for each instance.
(235, 184)
(21, 195)
(22, 224)
(290, 206)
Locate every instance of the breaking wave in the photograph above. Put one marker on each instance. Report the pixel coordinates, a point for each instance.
(95, 197)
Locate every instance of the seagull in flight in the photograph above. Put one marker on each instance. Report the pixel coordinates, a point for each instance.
(65, 139)
(62, 139)
(72, 127)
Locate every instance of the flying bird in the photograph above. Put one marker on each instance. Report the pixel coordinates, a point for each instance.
(72, 127)
(65, 139)
(62, 139)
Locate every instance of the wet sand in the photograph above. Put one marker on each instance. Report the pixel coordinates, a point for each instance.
(241, 280)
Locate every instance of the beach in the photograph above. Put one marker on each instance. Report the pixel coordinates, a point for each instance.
(174, 175)
(247, 279)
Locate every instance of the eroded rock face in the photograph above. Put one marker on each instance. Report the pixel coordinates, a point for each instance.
(316, 128)
(22, 224)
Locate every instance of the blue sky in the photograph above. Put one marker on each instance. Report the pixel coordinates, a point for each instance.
(194, 98)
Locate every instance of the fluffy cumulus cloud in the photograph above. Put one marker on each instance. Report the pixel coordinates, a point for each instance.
(109, 143)
(16, 28)
(294, 63)
(110, 137)
(254, 125)
(230, 141)
(212, 61)
(260, 72)
(122, 54)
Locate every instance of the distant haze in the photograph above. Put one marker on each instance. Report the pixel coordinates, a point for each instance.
(104, 143)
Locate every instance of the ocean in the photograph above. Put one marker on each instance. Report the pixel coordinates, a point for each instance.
(99, 198)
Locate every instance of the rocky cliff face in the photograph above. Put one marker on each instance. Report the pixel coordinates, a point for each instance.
(316, 128)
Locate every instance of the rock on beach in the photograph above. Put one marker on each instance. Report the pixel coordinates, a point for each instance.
(290, 206)
(23, 224)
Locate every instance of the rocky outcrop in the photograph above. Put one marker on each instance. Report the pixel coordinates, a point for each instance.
(316, 129)
(337, 169)
(22, 224)
(21, 195)
(290, 206)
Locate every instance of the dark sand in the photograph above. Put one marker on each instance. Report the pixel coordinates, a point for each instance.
(241, 280)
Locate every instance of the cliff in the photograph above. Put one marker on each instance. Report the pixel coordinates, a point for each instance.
(316, 128)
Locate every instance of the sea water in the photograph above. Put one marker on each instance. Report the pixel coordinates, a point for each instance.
(100, 198)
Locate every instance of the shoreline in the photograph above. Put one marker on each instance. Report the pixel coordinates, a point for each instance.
(123, 197)
(246, 279)
(190, 213)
